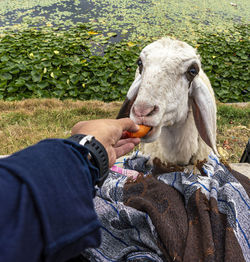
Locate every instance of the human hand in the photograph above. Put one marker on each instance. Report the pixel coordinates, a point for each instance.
(109, 133)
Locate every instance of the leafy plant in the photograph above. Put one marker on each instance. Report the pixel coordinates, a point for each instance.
(226, 62)
(64, 64)
(82, 64)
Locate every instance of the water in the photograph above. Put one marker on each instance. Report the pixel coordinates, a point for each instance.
(66, 12)
(129, 18)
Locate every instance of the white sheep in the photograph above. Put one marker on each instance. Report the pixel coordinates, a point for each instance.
(173, 95)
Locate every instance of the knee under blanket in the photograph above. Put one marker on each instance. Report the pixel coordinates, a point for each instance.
(177, 216)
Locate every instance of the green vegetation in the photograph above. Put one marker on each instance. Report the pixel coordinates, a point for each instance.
(50, 63)
(233, 131)
(44, 53)
(226, 62)
(23, 123)
(81, 64)
(229, 115)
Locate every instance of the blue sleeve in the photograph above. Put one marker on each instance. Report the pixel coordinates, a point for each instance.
(46, 203)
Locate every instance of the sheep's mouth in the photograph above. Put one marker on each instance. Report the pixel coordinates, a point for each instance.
(151, 133)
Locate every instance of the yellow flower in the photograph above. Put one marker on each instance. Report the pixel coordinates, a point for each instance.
(45, 70)
(52, 75)
(83, 85)
(56, 52)
(213, 56)
(130, 44)
(92, 33)
(31, 55)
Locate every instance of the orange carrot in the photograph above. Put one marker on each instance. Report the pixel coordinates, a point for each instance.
(143, 130)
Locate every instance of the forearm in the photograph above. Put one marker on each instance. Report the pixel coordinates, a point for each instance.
(46, 198)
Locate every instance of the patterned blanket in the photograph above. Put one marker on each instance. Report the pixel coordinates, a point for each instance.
(176, 216)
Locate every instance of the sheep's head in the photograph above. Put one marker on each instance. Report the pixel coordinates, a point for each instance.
(159, 95)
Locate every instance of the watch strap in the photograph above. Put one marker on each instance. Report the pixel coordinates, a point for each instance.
(98, 153)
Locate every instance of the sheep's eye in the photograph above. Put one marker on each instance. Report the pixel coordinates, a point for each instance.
(192, 71)
(140, 65)
(139, 62)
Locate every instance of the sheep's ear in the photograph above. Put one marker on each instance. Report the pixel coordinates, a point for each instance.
(130, 98)
(204, 111)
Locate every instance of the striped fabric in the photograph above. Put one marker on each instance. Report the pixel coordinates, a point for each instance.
(130, 235)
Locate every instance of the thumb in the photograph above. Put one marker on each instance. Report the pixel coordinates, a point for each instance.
(128, 125)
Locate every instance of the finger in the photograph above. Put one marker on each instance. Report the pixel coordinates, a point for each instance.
(112, 156)
(121, 142)
(128, 124)
(124, 149)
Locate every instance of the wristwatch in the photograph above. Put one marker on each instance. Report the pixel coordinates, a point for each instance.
(98, 154)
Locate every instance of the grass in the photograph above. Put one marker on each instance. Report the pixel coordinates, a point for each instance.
(233, 130)
(26, 122)
(23, 123)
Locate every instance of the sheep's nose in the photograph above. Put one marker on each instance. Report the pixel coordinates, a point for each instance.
(142, 110)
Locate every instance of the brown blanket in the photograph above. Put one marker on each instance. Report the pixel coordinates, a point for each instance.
(174, 216)
(196, 231)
